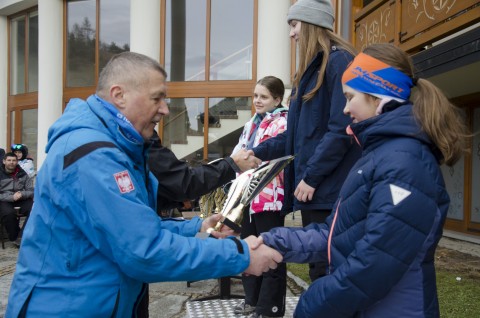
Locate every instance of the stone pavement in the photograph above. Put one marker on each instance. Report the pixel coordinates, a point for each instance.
(8, 259)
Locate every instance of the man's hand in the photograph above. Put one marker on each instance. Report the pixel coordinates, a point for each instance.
(262, 257)
(246, 160)
(211, 221)
(17, 196)
(304, 192)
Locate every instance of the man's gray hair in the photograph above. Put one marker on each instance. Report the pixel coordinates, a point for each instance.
(127, 68)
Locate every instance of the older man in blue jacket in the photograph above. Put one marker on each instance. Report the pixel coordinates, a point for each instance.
(94, 240)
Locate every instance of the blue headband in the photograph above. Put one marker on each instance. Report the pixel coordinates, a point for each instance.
(368, 75)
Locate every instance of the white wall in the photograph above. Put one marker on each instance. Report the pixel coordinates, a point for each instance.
(145, 27)
(50, 72)
(273, 42)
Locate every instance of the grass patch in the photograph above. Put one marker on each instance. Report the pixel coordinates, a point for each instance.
(299, 270)
(457, 298)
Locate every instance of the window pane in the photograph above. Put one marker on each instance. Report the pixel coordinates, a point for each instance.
(114, 29)
(183, 127)
(454, 177)
(81, 28)
(185, 52)
(476, 168)
(33, 52)
(229, 115)
(454, 181)
(17, 55)
(231, 40)
(29, 132)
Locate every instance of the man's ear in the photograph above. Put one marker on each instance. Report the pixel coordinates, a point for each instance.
(117, 95)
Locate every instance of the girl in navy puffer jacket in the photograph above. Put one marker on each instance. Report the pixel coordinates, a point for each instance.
(380, 241)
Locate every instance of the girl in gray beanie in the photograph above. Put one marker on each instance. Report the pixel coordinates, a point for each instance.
(316, 12)
(324, 153)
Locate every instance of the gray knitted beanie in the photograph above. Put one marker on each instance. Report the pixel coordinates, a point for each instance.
(317, 12)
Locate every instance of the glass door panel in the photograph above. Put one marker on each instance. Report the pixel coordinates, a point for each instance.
(81, 33)
(17, 56)
(114, 29)
(29, 132)
(227, 116)
(475, 215)
(231, 46)
(33, 52)
(182, 122)
(185, 52)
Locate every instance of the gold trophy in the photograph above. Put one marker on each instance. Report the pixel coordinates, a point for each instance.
(245, 188)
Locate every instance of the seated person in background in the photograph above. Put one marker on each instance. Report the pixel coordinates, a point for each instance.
(21, 151)
(16, 190)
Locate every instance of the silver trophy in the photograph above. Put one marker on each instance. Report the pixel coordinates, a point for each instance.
(244, 189)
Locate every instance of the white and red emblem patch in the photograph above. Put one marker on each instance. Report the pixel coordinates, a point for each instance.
(124, 181)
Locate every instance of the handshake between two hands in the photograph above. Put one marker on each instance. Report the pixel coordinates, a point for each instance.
(245, 160)
(262, 257)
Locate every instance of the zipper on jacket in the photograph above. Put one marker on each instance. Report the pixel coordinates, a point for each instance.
(330, 234)
(350, 132)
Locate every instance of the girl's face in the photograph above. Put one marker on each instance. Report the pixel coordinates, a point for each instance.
(18, 153)
(295, 27)
(359, 106)
(263, 100)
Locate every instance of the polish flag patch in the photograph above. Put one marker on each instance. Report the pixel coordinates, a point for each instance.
(124, 181)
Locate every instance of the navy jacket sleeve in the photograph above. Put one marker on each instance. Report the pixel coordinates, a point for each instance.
(299, 245)
(333, 146)
(271, 148)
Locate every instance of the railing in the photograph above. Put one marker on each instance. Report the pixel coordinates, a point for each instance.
(412, 24)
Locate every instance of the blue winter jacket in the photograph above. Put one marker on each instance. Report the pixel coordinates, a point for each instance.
(384, 229)
(316, 135)
(93, 238)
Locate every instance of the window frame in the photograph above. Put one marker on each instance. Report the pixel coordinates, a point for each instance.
(27, 100)
(209, 88)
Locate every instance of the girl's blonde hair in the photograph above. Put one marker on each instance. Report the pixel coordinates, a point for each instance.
(442, 121)
(314, 39)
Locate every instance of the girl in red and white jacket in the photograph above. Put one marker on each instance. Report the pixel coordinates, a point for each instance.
(267, 292)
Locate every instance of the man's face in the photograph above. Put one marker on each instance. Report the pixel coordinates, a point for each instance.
(10, 163)
(145, 105)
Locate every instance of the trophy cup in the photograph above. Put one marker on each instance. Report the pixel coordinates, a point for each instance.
(244, 189)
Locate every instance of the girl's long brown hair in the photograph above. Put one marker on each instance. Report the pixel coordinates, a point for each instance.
(442, 121)
(314, 39)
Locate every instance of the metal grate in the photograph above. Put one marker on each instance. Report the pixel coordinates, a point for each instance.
(218, 308)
